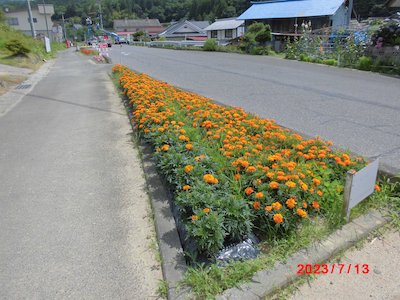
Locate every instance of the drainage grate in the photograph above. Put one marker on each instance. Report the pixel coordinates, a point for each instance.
(23, 86)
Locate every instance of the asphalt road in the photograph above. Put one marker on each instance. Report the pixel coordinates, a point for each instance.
(74, 214)
(358, 111)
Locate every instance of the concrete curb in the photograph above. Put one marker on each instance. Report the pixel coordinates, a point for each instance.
(267, 281)
(172, 257)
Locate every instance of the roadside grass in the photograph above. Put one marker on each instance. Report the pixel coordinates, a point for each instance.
(32, 60)
(162, 289)
(208, 280)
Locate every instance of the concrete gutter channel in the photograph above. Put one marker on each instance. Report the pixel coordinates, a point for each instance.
(264, 282)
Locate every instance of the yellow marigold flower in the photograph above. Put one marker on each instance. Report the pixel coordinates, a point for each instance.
(291, 203)
(188, 168)
(290, 184)
(186, 187)
(278, 218)
(165, 148)
(195, 218)
(276, 206)
(302, 213)
(189, 146)
(273, 185)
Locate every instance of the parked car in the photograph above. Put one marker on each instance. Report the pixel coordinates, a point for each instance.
(122, 41)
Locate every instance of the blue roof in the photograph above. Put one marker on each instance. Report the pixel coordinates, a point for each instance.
(277, 9)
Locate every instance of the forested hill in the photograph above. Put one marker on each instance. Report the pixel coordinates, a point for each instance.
(169, 10)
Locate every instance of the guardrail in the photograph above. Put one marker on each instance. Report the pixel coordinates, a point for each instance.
(175, 44)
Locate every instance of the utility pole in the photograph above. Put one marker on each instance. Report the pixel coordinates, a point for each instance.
(31, 19)
(45, 18)
(65, 32)
(101, 16)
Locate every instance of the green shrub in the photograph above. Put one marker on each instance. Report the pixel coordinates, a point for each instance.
(365, 63)
(260, 50)
(330, 62)
(210, 45)
(16, 47)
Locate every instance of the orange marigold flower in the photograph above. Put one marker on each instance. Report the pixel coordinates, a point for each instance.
(244, 163)
(259, 195)
(251, 169)
(305, 205)
(290, 184)
(320, 193)
(188, 168)
(276, 206)
(206, 210)
(237, 177)
(273, 185)
(268, 208)
(302, 213)
(315, 204)
(210, 179)
(165, 148)
(183, 138)
(257, 205)
(377, 188)
(316, 181)
(248, 190)
(189, 146)
(278, 218)
(291, 203)
(195, 218)
(186, 187)
(304, 186)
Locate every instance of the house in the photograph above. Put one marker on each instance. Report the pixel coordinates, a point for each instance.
(225, 29)
(41, 17)
(393, 3)
(290, 16)
(186, 30)
(126, 27)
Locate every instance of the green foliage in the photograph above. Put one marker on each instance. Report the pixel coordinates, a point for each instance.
(365, 63)
(210, 45)
(255, 38)
(16, 47)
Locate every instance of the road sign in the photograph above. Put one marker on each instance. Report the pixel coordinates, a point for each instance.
(359, 185)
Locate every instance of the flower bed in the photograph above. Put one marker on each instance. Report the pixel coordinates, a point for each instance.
(233, 173)
(88, 51)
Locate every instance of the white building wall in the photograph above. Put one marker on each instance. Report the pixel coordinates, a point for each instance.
(23, 21)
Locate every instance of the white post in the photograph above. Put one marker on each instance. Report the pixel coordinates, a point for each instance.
(347, 193)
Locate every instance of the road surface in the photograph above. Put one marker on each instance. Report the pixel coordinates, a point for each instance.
(358, 111)
(74, 214)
